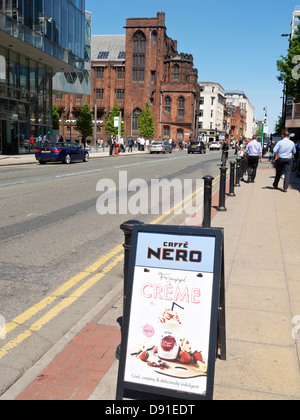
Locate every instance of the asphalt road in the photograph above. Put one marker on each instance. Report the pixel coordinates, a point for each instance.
(58, 255)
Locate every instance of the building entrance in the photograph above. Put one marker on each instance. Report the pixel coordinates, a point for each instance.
(9, 137)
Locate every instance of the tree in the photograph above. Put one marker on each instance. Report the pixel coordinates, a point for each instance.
(55, 117)
(146, 126)
(110, 129)
(278, 125)
(84, 122)
(288, 68)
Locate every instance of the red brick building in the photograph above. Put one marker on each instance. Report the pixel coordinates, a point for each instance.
(238, 122)
(130, 70)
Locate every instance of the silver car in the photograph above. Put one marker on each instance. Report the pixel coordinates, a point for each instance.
(160, 147)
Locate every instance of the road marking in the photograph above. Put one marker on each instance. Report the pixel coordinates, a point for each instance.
(67, 301)
(25, 316)
(36, 326)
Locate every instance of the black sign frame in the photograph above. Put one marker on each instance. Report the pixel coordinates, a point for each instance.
(217, 336)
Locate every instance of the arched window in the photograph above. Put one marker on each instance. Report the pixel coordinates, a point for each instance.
(176, 72)
(135, 119)
(167, 105)
(138, 59)
(154, 37)
(181, 107)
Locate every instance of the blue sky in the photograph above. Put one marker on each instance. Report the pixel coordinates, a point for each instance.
(235, 43)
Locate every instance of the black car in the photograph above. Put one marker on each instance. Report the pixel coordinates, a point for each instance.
(62, 152)
(196, 147)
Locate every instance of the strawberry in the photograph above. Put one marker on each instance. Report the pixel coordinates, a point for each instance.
(144, 356)
(184, 357)
(197, 355)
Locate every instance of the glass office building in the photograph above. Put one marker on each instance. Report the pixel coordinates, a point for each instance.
(38, 38)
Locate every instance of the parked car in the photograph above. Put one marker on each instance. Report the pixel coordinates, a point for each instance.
(214, 145)
(196, 147)
(61, 152)
(160, 147)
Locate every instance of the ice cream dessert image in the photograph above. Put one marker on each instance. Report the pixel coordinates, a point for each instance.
(169, 337)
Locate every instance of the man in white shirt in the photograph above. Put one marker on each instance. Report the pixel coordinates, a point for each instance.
(253, 153)
(285, 149)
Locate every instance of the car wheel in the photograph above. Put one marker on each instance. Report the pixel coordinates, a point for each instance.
(67, 159)
(42, 162)
(86, 157)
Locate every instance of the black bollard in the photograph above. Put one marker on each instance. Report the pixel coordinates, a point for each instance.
(221, 206)
(238, 172)
(127, 229)
(231, 185)
(207, 200)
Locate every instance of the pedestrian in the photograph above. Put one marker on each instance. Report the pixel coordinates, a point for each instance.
(241, 154)
(122, 145)
(296, 156)
(83, 141)
(111, 145)
(271, 151)
(117, 146)
(31, 142)
(147, 145)
(253, 154)
(285, 150)
(130, 144)
(225, 150)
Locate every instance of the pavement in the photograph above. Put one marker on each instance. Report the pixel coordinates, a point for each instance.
(262, 292)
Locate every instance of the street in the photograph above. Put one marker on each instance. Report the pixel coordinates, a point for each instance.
(59, 256)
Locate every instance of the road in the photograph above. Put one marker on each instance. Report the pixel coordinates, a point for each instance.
(58, 255)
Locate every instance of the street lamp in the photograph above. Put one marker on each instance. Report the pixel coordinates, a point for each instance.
(263, 124)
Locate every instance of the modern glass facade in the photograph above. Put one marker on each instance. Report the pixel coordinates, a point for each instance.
(37, 39)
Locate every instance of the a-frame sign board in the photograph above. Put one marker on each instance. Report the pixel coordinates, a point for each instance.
(174, 313)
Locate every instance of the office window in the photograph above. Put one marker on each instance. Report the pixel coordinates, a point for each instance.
(121, 73)
(121, 55)
(181, 107)
(166, 131)
(99, 94)
(100, 73)
(176, 72)
(135, 119)
(120, 94)
(167, 105)
(138, 59)
(103, 55)
(180, 134)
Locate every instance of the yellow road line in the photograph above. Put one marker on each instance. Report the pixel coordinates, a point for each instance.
(19, 320)
(59, 307)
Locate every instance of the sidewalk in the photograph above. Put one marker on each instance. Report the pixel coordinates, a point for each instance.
(262, 259)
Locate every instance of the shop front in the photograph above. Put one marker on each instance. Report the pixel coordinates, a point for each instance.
(25, 102)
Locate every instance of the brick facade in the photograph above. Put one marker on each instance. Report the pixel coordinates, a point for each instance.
(153, 71)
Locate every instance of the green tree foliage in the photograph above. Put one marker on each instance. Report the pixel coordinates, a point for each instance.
(55, 117)
(146, 126)
(289, 68)
(110, 129)
(84, 122)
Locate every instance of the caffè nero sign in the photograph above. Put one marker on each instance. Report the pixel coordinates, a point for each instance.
(172, 312)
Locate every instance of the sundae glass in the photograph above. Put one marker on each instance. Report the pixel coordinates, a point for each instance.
(169, 341)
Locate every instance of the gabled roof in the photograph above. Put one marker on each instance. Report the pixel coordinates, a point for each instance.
(108, 48)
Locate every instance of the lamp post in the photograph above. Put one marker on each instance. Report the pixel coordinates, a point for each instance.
(263, 126)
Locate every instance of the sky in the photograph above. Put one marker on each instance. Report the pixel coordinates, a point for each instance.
(234, 43)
